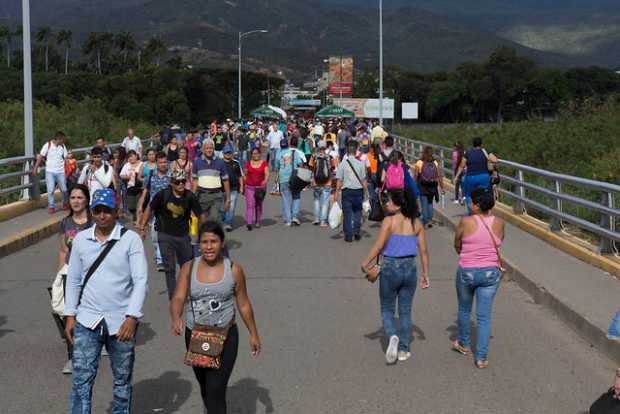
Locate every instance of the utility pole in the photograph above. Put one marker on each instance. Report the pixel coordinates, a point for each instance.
(381, 62)
(241, 35)
(28, 125)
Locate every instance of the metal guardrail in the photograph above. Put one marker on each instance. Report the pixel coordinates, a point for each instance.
(32, 183)
(553, 202)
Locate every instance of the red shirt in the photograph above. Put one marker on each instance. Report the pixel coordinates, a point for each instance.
(255, 176)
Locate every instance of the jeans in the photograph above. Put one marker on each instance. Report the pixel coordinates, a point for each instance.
(291, 203)
(473, 182)
(230, 214)
(272, 159)
(458, 187)
(158, 259)
(398, 280)
(51, 180)
(174, 249)
(352, 212)
(253, 210)
(321, 203)
(214, 382)
(614, 328)
(212, 205)
(482, 283)
(427, 208)
(86, 355)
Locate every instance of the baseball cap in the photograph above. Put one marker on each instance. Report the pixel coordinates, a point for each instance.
(283, 143)
(103, 197)
(227, 149)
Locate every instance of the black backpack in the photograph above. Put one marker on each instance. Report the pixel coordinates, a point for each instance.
(322, 169)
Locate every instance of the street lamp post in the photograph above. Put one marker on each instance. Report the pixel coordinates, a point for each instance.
(241, 36)
(381, 62)
(28, 128)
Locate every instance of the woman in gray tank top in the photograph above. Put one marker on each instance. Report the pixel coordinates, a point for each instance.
(213, 283)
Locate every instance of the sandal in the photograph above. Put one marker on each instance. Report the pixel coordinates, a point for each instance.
(456, 346)
(482, 363)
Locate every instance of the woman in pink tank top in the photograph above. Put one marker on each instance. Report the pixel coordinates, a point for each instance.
(477, 240)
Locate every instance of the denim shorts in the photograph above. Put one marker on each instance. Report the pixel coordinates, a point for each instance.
(614, 329)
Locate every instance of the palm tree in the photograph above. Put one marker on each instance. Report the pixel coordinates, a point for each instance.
(6, 34)
(155, 47)
(125, 43)
(63, 38)
(97, 43)
(43, 36)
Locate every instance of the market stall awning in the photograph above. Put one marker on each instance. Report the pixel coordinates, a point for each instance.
(333, 111)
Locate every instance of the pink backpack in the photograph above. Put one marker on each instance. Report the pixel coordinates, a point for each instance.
(395, 176)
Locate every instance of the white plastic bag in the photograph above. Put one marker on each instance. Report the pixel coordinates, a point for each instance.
(58, 291)
(366, 207)
(335, 216)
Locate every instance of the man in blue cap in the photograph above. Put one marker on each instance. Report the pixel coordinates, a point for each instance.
(104, 298)
(236, 183)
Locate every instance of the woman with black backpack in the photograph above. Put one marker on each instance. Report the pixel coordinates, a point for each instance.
(322, 166)
(430, 180)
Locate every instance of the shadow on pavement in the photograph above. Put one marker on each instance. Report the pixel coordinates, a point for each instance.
(4, 331)
(145, 333)
(417, 334)
(165, 394)
(268, 222)
(454, 333)
(243, 397)
(233, 244)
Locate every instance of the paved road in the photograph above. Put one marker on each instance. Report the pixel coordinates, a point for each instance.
(321, 332)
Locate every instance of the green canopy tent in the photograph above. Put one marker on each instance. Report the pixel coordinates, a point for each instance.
(333, 111)
(266, 112)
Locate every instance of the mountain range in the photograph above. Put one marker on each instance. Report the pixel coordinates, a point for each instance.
(423, 35)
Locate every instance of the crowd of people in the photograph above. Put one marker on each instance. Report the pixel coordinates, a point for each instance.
(184, 190)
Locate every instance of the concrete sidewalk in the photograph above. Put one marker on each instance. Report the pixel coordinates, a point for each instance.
(27, 229)
(581, 295)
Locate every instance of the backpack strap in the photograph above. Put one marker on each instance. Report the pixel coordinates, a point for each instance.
(98, 261)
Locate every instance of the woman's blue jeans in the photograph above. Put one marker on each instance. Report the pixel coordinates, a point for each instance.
(427, 209)
(614, 328)
(398, 280)
(473, 182)
(321, 202)
(481, 283)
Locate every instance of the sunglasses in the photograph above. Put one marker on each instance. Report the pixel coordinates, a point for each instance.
(102, 209)
(177, 182)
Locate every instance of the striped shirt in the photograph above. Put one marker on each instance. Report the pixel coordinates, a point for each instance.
(209, 173)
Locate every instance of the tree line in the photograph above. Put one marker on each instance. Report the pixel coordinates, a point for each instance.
(505, 87)
(101, 52)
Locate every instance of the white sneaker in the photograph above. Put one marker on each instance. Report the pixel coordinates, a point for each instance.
(456, 202)
(403, 356)
(391, 354)
(68, 368)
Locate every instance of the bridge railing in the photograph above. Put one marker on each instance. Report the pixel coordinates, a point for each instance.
(18, 182)
(590, 207)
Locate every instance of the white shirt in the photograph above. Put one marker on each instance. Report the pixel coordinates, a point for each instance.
(318, 130)
(274, 139)
(133, 144)
(97, 180)
(55, 157)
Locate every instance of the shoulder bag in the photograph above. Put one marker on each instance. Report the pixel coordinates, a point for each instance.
(492, 167)
(206, 342)
(502, 270)
(301, 177)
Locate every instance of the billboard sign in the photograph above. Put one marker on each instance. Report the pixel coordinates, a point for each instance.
(410, 110)
(367, 108)
(305, 102)
(340, 76)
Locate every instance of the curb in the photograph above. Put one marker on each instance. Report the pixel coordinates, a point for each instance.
(30, 236)
(19, 208)
(584, 328)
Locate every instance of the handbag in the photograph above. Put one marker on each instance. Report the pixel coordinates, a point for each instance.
(301, 177)
(608, 403)
(492, 168)
(206, 343)
(58, 291)
(259, 195)
(376, 209)
(499, 256)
